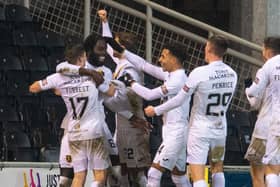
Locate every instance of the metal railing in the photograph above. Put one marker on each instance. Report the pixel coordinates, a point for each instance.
(150, 6)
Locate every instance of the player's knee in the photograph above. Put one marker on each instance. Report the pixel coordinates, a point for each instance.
(65, 181)
(100, 176)
(217, 167)
(154, 176)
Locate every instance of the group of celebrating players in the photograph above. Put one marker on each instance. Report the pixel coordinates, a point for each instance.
(86, 84)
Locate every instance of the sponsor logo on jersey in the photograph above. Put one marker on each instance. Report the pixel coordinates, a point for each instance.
(68, 158)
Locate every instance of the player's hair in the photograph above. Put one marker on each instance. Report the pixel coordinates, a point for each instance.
(177, 49)
(273, 43)
(72, 53)
(219, 45)
(128, 40)
(90, 42)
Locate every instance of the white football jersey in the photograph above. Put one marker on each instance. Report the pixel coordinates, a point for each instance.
(213, 85)
(269, 77)
(70, 69)
(173, 83)
(263, 104)
(81, 98)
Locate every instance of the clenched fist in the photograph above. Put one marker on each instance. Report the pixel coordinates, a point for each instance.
(102, 15)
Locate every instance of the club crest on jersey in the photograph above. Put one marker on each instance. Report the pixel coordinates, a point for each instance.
(100, 72)
(68, 158)
(77, 126)
(44, 82)
(186, 88)
(257, 80)
(164, 89)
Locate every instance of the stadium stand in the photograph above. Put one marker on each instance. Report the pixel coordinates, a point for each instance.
(29, 122)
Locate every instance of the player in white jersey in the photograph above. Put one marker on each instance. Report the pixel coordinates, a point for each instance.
(268, 77)
(133, 143)
(96, 56)
(213, 86)
(256, 149)
(171, 154)
(85, 131)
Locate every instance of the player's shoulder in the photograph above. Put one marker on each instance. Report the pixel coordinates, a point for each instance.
(200, 69)
(180, 74)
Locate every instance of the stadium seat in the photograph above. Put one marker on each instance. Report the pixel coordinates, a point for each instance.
(22, 37)
(17, 139)
(18, 13)
(49, 154)
(34, 115)
(6, 35)
(33, 26)
(3, 85)
(8, 62)
(8, 113)
(14, 140)
(50, 39)
(17, 83)
(34, 62)
(2, 13)
(24, 154)
(55, 56)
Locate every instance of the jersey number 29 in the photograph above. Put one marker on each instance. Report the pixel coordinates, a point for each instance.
(221, 99)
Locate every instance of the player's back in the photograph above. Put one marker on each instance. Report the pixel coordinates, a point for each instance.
(272, 69)
(80, 96)
(217, 82)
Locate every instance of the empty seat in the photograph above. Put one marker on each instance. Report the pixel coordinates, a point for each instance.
(24, 155)
(10, 62)
(13, 141)
(6, 35)
(2, 13)
(49, 154)
(22, 37)
(33, 26)
(55, 56)
(34, 115)
(17, 139)
(34, 62)
(17, 13)
(3, 85)
(8, 113)
(17, 83)
(50, 39)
